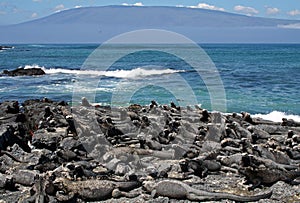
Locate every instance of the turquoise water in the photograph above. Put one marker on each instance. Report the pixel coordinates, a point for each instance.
(257, 78)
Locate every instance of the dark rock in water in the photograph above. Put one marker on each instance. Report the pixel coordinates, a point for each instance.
(5, 47)
(24, 72)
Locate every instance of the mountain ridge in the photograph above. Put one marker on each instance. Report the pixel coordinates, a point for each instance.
(150, 10)
(98, 24)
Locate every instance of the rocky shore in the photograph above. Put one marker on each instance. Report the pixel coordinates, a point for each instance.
(52, 152)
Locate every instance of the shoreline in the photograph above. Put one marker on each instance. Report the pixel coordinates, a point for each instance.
(66, 152)
(271, 116)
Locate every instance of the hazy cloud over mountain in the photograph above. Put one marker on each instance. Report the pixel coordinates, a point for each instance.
(206, 6)
(246, 10)
(294, 12)
(272, 11)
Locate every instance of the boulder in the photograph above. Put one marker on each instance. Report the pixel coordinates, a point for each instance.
(24, 72)
(5, 47)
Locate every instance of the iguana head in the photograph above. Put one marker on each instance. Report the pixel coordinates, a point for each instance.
(60, 183)
(149, 185)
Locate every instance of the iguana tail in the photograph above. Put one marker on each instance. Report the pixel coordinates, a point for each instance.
(216, 196)
(11, 156)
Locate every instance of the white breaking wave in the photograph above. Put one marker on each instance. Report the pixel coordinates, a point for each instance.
(276, 116)
(134, 73)
(290, 26)
(33, 66)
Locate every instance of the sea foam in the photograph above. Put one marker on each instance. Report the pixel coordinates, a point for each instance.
(133, 73)
(276, 116)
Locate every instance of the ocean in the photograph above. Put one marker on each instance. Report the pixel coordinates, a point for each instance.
(262, 79)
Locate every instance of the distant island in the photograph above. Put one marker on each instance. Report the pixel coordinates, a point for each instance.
(98, 24)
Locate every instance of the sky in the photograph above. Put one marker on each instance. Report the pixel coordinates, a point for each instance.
(17, 11)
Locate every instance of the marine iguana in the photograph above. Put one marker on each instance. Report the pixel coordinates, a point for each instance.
(119, 151)
(266, 176)
(13, 134)
(92, 190)
(255, 161)
(179, 190)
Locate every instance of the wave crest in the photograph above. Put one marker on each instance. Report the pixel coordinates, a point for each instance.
(32, 66)
(133, 73)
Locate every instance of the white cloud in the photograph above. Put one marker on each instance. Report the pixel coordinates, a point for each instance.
(37, 0)
(206, 6)
(294, 12)
(59, 7)
(135, 4)
(2, 12)
(138, 4)
(272, 11)
(34, 15)
(246, 10)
